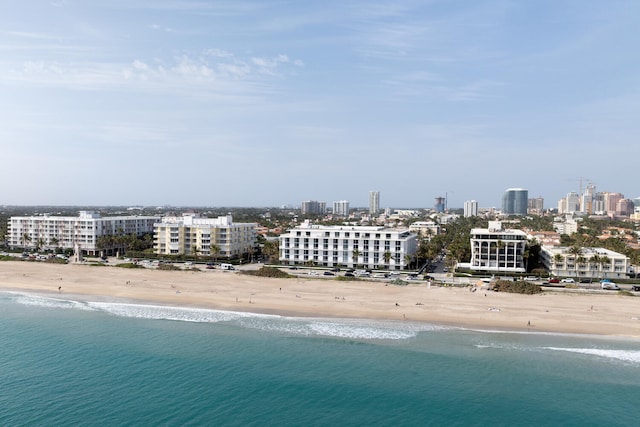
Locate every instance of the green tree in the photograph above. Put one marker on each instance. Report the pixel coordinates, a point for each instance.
(387, 259)
(356, 255)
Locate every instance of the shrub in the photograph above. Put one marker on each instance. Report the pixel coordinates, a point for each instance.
(346, 278)
(168, 267)
(398, 282)
(267, 272)
(626, 293)
(129, 265)
(519, 287)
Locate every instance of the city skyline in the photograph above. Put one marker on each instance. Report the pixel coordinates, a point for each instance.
(270, 103)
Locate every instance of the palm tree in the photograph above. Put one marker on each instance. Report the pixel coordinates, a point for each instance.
(408, 259)
(595, 260)
(356, 254)
(576, 252)
(54, 242)
(215, 251)
(557, 260)
(25, 239)
(500, 251)
(605, 261)
(251, 251)
(580, 261)
(387, 258)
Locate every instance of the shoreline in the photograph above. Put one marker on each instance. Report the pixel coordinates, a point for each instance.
(553, 312)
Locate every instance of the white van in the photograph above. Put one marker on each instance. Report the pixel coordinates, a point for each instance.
(224, 266)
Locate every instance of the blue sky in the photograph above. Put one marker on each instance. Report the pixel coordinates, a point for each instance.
(265, 103)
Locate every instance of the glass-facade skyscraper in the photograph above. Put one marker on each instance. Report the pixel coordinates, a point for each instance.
(515, 201)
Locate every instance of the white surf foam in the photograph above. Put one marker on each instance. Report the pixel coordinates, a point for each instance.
(335, 328)
(159, 312)
(345, 328)
(49, 302)
(624, 355)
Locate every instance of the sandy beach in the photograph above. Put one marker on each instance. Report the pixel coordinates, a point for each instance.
(593, 313)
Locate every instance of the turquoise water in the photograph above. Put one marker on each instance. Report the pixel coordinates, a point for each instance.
(66, 362)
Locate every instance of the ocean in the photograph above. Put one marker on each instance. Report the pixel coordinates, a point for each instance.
(83, 363)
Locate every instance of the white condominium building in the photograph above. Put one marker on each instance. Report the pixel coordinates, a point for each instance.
(497, 250)
(194, 235)
(470, 208)
(66, 232)
(374, 202)
(599, 263)
(350, 246)
(341, 208)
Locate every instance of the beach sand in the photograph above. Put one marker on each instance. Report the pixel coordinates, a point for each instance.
(585, 313)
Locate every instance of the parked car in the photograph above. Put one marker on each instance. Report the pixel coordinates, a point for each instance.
(554, 280)
(567, 280)
(328, 273)
(531, 278)
(348, 274)
(610, 286)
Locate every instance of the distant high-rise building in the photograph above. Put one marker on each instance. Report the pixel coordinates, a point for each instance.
(374, 202)
(313, 207)
(535, 205)
(440, 204)
(599, 207)
(470, 208)
(341, 208)
(588, 196)
(611, 201)
(573, 202)
(562, 206)
(624, 207)
(515, 201)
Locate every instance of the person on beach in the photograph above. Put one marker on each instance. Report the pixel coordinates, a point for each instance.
(59, 288)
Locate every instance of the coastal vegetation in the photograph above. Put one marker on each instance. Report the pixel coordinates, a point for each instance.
(516, 287)
(129, 265)
(267, 272)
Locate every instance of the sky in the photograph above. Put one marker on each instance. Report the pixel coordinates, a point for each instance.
(273, 102)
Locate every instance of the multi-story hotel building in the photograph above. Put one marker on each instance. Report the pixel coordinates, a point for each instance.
(194, 235)
(71, 233)
(597, 263)
(350, 246)
(496, 250)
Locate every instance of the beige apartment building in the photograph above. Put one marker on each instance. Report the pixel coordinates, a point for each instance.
(191, 234)
(590, 263)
